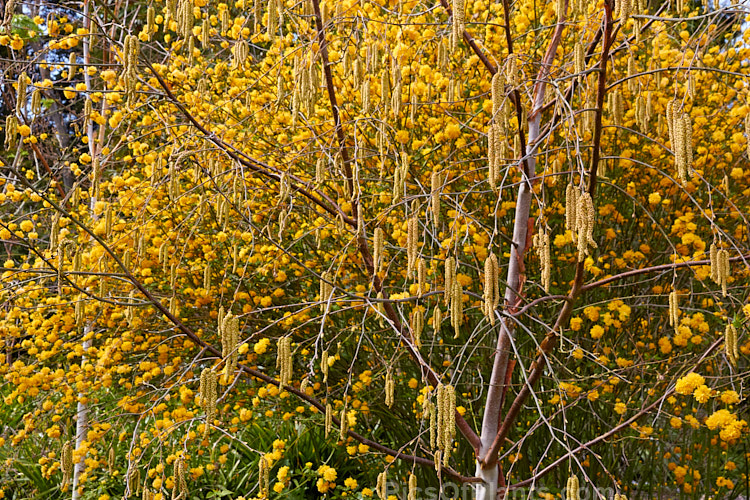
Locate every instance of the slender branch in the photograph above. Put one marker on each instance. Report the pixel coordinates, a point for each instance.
(537, 367)
(654, 269)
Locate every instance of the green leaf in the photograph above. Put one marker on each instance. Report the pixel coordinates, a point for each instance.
(23, 26)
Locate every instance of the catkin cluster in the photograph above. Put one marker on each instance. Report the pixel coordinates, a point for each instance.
(491, 287)
(306, 84)
(389, 388)
(208, 395)
(381, 487)
(616, 106)
(412, 244)
(131, 49)
(572, 490)
(179, 488)
(643, 111)
(720, 269)
(284, 360)
(66, 462)
(747, 133)
(412, 487)
(11, 131)
(446, 420)
(240, 51)
(542, 246)
(579, 218)
(730, 345)
(459, 22)
(229, 329)
(674, 310)
(681, 138)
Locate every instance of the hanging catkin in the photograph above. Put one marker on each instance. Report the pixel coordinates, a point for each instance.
(208, 395)
(459, 20)
(585, 225)
(412, 487)
(491, 287)
(284, 360)
(382, 487)
(722, 262)
(378, 248)
(328, 419)
(343, 424)
(230, 334)
(747, 133)
(421, 276)
(324, 365)
(21, 86)
(713, 256)
(437, 319)
(179, 488)
(263, 471)
(571, 209)
(416, 322)
(457, 308)
(66, 462)
(579, 60)
(446, 420)
(542, 246)
(674, 310)
(326, 289)
(572, 490)
(435, 185)
(450, 277)
(730, 345)
(389, 388)
(412, 243)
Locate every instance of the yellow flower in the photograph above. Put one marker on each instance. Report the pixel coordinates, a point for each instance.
(730, 397)
(261, 346)
(350, 483)
(654, 199)
(702, 394)
(620, 408)
(16, 43)
(24, 130)
(687, 384)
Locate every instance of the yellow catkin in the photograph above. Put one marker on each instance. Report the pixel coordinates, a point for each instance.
(459, 20)
(326, 289)
(422, 284)
(378, 248)
(730, 345)
(457, 308)
(179, 488)
(571, 204)
(343, 424)
(328, 419)
(674, 310)
(450, 277)
(11, 131)
(230, 333)
(491, 291)
(542, 246)
(620, 496)
(747, 132)
(66, 462)
(21, 86)
(498, 94)
(382, 488)
(579, 60)
(324, 366)
(722, 260)
(263, 474)
(208, 395)
(435, 188)
(416, 319)
(412, 244)
(446, 420)
(389, 389)
(437, 319)
(412, 487)
(713, 254)
(284, 360)
(573, 489)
